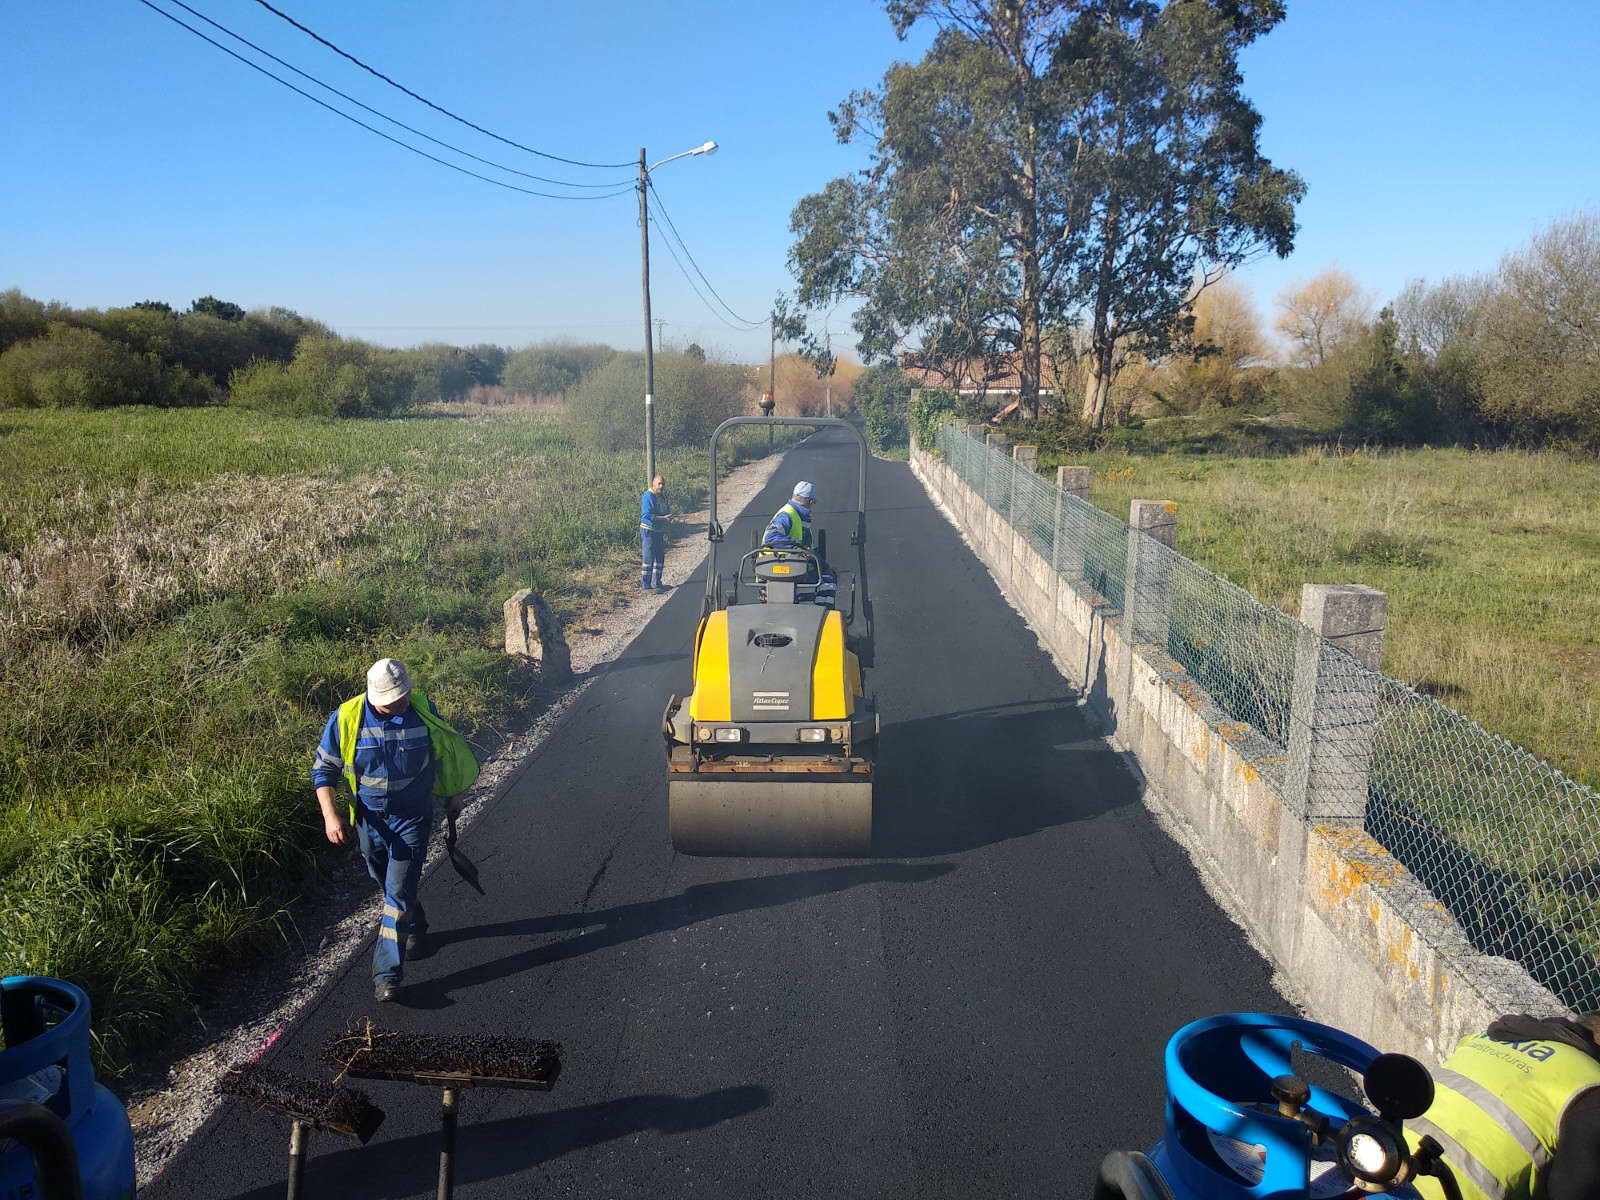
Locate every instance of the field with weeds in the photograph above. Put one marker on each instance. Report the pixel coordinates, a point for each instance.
(184, 596)
(1491, 561)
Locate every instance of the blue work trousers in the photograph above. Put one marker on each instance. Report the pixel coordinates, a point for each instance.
(395, 848)
(652, 552)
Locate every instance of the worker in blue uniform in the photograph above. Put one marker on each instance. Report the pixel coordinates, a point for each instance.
(791, 526)
(390, 747)
(653, 513)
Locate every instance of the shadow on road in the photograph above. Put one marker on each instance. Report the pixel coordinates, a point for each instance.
(971, 778)
(408, 1166)
(628, 922)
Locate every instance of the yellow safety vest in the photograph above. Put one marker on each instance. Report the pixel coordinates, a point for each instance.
(454, 767)
(1497, 1108)
(797, 524)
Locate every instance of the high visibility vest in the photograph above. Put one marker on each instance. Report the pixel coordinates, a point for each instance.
(797, 525)
(1497, 1109)
(454, 767)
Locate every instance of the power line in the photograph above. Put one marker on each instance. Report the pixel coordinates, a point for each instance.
(357, 121)
(373, 70)
(385, 116)
(689, 279)
(663, 209)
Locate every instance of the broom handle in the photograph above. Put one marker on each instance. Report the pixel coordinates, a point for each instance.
(447, 1145)
(297, 1157)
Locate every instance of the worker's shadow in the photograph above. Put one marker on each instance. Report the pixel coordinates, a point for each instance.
(628, 922)
(491, 1149)
(971, 778)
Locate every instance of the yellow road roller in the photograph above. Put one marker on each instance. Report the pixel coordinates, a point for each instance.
(772, 751)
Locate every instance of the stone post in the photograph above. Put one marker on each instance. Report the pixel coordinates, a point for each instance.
(532, 631)
(1334, 710)
(1025, 460)
(1147, 599)
(1066, 557)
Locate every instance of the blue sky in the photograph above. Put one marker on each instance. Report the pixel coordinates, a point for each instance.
(1434, 135)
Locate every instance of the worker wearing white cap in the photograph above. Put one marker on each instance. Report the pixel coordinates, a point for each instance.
(791, 526)
(395, 753)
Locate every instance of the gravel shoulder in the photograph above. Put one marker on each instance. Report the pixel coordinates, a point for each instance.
(171, 1090)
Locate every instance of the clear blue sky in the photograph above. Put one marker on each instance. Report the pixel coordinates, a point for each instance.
(140, 162)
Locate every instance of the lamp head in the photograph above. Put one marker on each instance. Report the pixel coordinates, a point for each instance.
(708, 148)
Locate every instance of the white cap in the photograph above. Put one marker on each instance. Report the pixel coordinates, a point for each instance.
(804, 491)
(387, 681)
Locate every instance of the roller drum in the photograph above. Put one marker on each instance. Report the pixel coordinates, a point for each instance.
(749, 816)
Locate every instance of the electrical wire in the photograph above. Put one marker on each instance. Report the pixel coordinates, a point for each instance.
(689, 279)
(357, 121)
(438, 108)
(662, 208)
(385, 116)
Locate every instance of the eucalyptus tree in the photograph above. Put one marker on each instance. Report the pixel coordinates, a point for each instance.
(1048, 167)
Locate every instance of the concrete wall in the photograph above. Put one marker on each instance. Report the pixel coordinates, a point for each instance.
(1358, 942)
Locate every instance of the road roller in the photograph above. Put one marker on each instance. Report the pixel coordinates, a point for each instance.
(772, 751)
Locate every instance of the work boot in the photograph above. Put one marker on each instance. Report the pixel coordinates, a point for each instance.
(417, 945)
(383, 990)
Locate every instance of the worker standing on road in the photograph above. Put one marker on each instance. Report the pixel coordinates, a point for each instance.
(791, 526)
(395, 753)
(1517, 1110)
(653, 512)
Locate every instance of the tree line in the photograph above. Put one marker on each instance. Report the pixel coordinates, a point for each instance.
(270, 359)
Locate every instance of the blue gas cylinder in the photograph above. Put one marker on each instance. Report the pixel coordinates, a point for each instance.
(45, 1060)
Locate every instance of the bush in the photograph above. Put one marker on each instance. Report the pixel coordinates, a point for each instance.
(692, 399)
(71, 367)
(883, 396)
(329, 377)
(439, 373)
(553, 370)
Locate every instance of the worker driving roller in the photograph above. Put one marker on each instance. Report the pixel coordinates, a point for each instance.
(791, 526)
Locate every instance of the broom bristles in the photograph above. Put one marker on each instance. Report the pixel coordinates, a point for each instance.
(321, 1105)
(369, 1051)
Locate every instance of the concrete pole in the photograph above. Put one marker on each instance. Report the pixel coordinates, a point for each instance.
(1147, 603)
(649, 346)
(1025, 462)
(1333, 718)
(1065, 555)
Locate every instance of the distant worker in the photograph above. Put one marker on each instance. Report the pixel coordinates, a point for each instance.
(1517, 1111)
(791, 527)
(653, 513)
(395, 753)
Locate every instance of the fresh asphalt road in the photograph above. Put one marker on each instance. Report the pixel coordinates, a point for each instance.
(978, 1010)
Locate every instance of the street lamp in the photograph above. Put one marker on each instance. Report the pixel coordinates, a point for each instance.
(649, 346)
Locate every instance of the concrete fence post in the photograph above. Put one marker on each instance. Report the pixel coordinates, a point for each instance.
(1073, 482)
(1025, 461)
(1147, 599)
(1333, 716)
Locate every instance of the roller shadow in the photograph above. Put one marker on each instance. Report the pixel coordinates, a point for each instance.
(967, 779)
(407, 1166)
(629, 922)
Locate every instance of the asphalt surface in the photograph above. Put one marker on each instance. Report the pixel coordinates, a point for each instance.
(977, 1011)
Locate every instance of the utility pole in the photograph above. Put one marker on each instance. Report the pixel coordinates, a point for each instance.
(828, 392)
(649, 346)
(660, 340)
(772, 372)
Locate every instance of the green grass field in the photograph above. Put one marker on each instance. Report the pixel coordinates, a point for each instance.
(1491, 562)
(186, 594)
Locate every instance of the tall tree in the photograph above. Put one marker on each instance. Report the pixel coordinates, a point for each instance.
(1320, 314)
(1047, 164)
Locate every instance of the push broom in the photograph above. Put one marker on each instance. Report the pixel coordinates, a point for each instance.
(308, 1104)
(449, 1062)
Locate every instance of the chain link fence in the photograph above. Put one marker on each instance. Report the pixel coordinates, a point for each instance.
(1509, 845)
